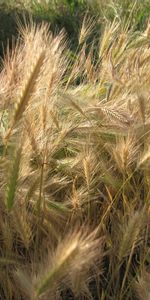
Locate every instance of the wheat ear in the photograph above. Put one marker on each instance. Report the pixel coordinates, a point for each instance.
(26, 93)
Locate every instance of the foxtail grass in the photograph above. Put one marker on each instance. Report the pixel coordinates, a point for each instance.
(74, 215)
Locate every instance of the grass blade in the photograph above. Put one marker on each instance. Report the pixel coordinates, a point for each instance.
(13, 179)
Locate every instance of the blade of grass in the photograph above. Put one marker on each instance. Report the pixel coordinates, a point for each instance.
(13, 180)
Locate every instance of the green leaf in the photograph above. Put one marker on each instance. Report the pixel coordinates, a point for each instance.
(13, 179)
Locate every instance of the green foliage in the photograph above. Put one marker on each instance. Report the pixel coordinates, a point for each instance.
(12, 181)
(69, 14)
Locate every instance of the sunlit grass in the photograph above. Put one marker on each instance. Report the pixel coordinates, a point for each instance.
(75, 165)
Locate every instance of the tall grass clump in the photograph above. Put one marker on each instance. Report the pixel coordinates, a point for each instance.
(74, 134)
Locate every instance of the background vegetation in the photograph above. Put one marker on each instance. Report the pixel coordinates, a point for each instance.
(75, 154)
(69, 14)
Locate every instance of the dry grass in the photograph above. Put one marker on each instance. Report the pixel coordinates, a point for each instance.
(74, 211)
